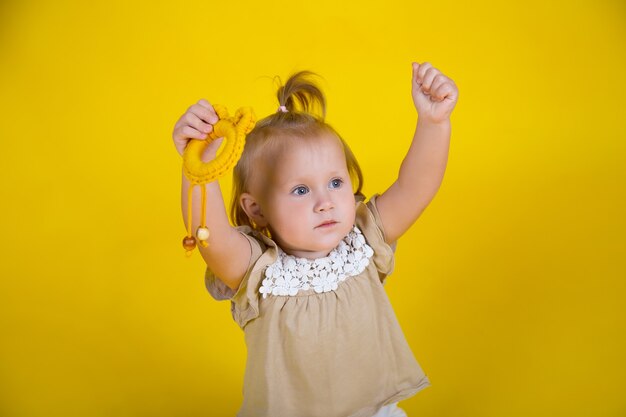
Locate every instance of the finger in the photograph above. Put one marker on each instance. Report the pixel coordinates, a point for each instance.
(193, 120)
(204, 110)
(212, 114)
(218, 141)
(205, 103)
(437, 82)
(430, 75)
(421, 72)
(184, 133)
(444, 91)
(415, 67)
(188, 132)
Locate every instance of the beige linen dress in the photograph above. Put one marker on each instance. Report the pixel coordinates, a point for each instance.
(338, 353)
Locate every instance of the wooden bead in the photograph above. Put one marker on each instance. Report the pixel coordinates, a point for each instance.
(202, 233)
(189, 242)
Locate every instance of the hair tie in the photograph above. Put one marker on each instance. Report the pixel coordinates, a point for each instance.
(282, 109)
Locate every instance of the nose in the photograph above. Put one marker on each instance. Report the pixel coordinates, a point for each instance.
(324, 203)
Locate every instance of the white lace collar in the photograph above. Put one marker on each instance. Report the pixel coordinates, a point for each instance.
(289, 274)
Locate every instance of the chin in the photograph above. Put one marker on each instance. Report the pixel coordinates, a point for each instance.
(332, 243)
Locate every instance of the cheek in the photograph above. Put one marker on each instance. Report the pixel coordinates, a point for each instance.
(349, 206)
(352, 214)
(348, 202)
(286, 212)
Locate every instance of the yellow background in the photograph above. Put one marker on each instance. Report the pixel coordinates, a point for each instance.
(510, 288)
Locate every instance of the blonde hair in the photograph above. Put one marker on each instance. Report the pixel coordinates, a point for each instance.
(301, 97)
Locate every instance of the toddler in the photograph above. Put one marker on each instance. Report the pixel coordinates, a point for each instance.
(305, 264)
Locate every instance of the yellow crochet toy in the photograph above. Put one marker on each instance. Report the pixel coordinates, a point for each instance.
(234, 131)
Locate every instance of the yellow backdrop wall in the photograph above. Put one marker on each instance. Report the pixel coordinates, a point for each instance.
(510, 288)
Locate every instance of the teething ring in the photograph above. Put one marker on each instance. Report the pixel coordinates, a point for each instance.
(233, 130)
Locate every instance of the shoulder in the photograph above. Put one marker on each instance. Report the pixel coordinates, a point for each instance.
(263, 251)
(367, 215)
(245, 298)
(369, 222)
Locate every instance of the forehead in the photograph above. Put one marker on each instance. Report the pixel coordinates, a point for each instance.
(298, 159)
(302, 156)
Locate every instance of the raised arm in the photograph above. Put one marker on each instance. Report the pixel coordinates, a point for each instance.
(228, 252)
(422, 170)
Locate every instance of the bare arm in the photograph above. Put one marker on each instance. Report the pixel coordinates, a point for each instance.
(423, 168)
(228, 252)
(419, 179)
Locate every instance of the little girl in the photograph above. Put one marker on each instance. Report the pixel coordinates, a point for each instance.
(305, 265)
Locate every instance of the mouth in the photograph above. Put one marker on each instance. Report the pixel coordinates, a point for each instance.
(327, 223)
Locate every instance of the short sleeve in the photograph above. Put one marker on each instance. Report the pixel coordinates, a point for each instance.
(245, 300)
(368, 220)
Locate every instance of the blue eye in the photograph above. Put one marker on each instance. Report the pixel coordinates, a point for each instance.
(300, 190)
(335, 183)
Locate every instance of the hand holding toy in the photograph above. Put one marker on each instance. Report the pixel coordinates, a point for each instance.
(233, 130)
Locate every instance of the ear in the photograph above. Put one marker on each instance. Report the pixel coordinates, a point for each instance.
(252, 208)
